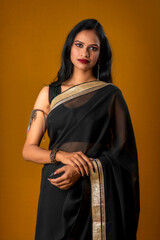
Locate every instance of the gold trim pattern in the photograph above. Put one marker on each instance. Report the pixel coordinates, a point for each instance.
(103, 207)
(76, 91)
(98, 202)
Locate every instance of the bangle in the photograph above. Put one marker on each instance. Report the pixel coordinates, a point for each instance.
(52, 156)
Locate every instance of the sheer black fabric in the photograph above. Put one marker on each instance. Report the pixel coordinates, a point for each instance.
(98, 124)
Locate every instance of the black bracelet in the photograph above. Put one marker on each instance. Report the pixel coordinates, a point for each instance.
(52, 156)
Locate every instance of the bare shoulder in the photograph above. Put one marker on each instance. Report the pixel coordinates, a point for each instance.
(42, 101)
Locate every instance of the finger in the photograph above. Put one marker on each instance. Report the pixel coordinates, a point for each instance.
(60, 170)
(73, 164)
(57, 180)
(89, 162)
(60, 185)
(83, 163)
(85, 158)
(65, 187)
(80, 166)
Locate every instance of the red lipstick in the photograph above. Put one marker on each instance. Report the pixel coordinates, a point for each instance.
(83, 61)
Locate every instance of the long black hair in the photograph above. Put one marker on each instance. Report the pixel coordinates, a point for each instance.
(105, 57)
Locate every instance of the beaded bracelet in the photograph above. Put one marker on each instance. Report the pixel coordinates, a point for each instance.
(52, 156)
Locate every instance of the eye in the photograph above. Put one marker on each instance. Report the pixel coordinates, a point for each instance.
(94, 48)
(79, 45)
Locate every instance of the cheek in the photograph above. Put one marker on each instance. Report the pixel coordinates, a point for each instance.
(73, 53)
(95, 56)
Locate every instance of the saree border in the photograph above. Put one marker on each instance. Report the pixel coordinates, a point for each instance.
(98, 202)
(76, 91)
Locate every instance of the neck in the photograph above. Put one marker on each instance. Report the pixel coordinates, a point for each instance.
(80, 76)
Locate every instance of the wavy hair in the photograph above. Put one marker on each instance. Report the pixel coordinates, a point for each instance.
(105, 57)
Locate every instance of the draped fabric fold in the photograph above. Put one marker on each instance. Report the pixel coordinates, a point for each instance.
(92, 117)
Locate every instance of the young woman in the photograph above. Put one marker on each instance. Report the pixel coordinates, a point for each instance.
(90, 186)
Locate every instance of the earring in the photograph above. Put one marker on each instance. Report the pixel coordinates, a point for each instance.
(98, 67)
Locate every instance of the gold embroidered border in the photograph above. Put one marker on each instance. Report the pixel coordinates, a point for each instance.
(103, 212)
(77, 91)
(98, 202)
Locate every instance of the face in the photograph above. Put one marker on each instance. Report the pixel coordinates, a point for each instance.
(85, 50)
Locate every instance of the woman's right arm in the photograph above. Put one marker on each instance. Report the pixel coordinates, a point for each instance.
(31, 150)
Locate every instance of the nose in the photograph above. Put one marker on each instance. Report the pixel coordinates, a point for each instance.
(85, 52)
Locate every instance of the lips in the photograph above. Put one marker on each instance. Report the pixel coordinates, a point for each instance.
(83, 61)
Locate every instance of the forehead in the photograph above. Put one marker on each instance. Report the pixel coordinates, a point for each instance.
(88, 37)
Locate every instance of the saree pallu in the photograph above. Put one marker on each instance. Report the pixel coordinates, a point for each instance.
(91, 117)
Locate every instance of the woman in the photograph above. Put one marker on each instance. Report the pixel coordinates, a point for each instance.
(90, 186)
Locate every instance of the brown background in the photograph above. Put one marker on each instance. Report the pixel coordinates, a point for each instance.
(32, 36)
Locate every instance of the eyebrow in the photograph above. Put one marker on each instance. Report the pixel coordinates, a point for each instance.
(89, 44)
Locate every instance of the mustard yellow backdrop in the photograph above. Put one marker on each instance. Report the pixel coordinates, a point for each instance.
(32, 36)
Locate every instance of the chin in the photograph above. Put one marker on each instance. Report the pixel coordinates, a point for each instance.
(83, 68)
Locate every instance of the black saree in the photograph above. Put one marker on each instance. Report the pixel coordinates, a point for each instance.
(91, 117)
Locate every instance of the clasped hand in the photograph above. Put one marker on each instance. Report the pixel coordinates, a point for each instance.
(77, 164)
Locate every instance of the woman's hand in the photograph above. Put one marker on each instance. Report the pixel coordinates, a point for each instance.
(76, 159)
(68, 179)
